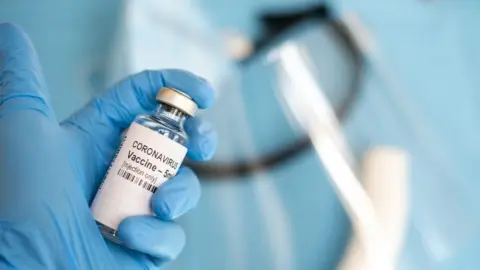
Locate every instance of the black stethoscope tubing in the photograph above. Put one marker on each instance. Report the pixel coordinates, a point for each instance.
(216, 170)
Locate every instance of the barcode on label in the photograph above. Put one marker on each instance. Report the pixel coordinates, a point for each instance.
(137, 180)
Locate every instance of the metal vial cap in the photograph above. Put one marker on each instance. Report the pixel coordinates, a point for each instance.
(177, 99)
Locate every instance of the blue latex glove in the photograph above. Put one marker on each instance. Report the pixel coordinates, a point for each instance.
(49, 172)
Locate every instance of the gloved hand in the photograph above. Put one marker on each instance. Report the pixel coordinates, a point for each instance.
(49, 172)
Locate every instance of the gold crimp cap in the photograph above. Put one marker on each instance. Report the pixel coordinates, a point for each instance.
(177, 99)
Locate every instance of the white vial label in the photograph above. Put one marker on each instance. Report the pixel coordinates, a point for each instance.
(144, 161)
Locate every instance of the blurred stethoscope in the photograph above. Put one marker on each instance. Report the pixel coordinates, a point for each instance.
(275, 27)
(378, 223)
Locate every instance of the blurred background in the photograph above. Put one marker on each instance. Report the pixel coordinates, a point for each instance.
(350, 132)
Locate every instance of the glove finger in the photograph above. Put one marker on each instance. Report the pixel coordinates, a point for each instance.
(177, 196)
(22, 86)
(153, 236)
(131, 259)
(203, 139)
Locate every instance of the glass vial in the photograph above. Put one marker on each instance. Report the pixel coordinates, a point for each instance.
(151, 152)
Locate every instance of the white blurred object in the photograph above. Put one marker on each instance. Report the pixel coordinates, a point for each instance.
(304, 99)
(238, 45)
(168, 34)
(385, 178)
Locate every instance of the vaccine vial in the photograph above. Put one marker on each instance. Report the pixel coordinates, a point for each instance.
(151, 152)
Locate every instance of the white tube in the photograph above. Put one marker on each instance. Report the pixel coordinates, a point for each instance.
(306, 102)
